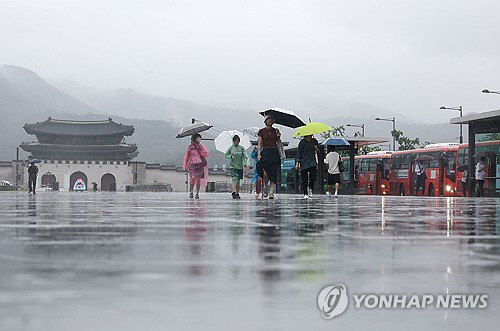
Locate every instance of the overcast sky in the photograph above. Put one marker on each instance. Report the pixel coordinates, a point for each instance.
(407, 56)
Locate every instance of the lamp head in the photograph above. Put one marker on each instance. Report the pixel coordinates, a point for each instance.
(377, 118)
(442, 107)
(485, 91)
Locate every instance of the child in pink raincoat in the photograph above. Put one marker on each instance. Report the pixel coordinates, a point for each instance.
(195, 163)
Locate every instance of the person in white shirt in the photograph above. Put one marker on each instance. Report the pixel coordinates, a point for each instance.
(480, 176)
(332, 160)
(420, 174)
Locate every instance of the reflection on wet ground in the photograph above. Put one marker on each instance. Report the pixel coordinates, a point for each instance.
(156, 261)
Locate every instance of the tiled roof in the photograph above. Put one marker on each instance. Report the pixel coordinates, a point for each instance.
(82, 128)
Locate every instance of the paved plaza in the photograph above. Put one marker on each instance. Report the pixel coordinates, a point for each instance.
(160, 261)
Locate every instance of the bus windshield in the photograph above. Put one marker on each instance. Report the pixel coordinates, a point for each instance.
(451, 165)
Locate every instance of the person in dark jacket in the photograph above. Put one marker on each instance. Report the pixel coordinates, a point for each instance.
(306, 161)
(268, 157)
(32, 174)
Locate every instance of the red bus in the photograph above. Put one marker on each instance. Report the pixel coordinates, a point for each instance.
(440, 161)
(489, 149)
(372, 173)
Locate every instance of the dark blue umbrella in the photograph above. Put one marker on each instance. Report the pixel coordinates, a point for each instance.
(35, 161)
(335, 142)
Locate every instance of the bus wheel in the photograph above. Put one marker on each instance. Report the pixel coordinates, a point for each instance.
(431, 192)
(401, 190)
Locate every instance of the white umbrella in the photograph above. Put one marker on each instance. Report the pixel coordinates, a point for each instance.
(251, 131)
(225, 139)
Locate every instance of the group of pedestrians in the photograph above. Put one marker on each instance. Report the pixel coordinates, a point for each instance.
(480, 177)
(267, 159)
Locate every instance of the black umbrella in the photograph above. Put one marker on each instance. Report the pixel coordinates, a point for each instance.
(193, 128)
(284, 117)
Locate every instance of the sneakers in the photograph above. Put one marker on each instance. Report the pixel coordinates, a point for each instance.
(328, 193)
(310, 192)
(191, 195)
(306, 196)
(197, 196)
(233, 195)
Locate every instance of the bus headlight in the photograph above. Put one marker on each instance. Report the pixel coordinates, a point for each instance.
(382, 186)
(448, 188)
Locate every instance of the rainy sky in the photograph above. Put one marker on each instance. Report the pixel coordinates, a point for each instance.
(407, 56)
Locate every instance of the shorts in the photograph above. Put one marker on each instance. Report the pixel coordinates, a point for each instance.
(333, 179)
(236, 174)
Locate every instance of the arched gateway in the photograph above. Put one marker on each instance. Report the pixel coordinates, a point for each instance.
(108, 182)
(78, 181)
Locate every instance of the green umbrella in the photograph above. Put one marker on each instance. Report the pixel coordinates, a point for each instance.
(312, 128)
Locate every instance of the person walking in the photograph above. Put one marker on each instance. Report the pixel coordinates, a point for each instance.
(195, 162)
(332, 160)
(32, 175)
(305, 160)
(465, 173)
(239, 160)
(481, 176)
(268, 156)
(420, 178)
(257, 180)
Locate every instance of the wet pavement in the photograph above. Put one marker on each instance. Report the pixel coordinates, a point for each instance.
(159, 261)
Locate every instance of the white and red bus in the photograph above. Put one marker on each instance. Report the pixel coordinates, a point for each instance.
(440, 161)
(372, 173)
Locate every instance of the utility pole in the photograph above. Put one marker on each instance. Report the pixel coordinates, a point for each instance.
(17, 168)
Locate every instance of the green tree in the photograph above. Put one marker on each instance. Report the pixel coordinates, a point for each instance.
(490, 137)
(336, 132)
(404, 143)
(363, 150)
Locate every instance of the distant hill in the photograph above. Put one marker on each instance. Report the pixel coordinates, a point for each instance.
(131, 103)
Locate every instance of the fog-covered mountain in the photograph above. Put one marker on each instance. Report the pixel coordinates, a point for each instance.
(131, 103)
(26, 97)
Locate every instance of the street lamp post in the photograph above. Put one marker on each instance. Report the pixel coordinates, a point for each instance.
(393, 120)
(459, 108)
(362, 126)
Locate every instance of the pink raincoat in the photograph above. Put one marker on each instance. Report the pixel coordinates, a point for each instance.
(193, 163)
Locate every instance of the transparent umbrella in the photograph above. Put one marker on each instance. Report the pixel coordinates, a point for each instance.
(225, 139)
(251, 131)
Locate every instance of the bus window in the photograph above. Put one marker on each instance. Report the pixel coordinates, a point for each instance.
(395, 162)
(434, 162)
(362, 165)
(405, 161)
(451, 165)
(373, 164)
(385, 169)
(461, 156)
